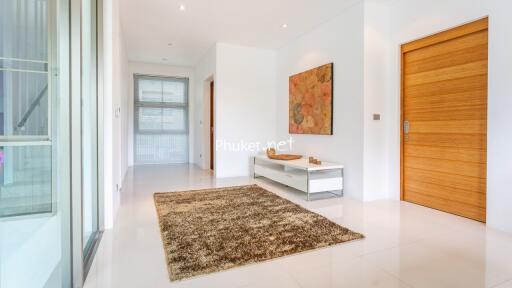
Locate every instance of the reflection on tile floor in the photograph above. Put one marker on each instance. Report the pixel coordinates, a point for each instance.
(406, 245)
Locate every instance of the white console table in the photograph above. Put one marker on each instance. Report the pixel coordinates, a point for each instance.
(301, 175)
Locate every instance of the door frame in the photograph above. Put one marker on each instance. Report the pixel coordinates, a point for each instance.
(204, 122)
(212, 125)
(446, 35)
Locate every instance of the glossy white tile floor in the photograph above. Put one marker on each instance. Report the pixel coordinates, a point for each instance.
(405, 246)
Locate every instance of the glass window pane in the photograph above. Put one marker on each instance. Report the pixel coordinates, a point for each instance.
(24, 67)
(25, 180)
(174, 119)
(174, 92)
(24, 29)
(150, 90)
(150, 118)
(89, 127)
(156, 119)
(23, 103)
(162, 148)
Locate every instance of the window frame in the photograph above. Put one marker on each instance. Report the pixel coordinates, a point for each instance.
(50, 68)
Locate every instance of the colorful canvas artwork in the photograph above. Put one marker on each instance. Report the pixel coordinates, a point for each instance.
(311, 95)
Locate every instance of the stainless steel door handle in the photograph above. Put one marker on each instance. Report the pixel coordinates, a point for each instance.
(406, 130)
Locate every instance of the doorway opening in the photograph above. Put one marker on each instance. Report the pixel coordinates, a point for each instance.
(212, 125)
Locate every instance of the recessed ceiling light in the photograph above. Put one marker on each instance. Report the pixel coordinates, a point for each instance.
(169, 44)
(164, 59)
(182, 7)
(284, 25)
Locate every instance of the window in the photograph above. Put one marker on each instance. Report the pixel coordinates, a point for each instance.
(161, 120)
(25, 108)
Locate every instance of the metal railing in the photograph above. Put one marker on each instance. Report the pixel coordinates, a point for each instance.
(32, 107)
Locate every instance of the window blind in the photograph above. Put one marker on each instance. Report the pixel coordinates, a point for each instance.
(161, 120)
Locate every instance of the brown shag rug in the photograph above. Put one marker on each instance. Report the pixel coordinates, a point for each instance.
(205, 231)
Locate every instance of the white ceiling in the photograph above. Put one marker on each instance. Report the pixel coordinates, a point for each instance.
(149, 25)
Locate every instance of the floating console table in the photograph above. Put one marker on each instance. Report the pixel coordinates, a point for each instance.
(301, 175)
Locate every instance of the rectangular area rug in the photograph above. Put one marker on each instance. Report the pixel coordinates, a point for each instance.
(205, 231)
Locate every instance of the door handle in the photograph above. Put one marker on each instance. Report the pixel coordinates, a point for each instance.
(406, 130)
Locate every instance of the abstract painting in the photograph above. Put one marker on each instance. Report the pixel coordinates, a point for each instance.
(311, 95)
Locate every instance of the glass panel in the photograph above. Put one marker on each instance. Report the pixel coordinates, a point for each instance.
(23, 103)
(24, 67)
(89, 127)
(25, 180)
(150, 118)
(161, 148)
(150, 90)
(174, 92)
(24, 30)
(174, 119)
(156, 119)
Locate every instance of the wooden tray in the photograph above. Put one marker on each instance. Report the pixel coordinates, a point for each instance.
(271, 154)
(284, 157)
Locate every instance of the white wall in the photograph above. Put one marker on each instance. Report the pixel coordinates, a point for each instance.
(115, 73)
(124, 109)
(157, 70)
(340, 41)
(245, 98)
(376, 83)
(414, 19)
(204, 70)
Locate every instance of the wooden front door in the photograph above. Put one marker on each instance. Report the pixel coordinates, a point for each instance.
(444, 116)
